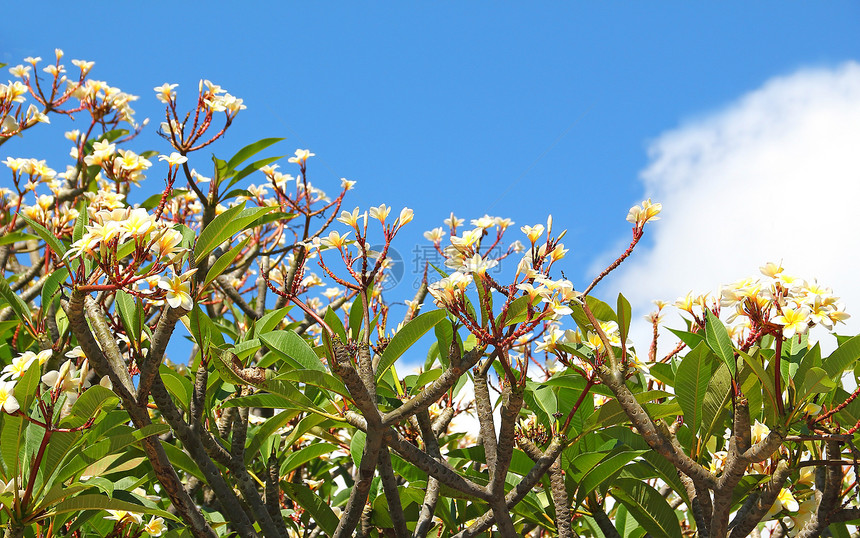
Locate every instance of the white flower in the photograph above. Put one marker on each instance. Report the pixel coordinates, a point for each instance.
(405, 216)
(63, 379)
(178, 290)
(155, 527)
(19, 366)
(120, 515)
(478, 265)
(165, 92)
(533, 232)
(174, 159)
(639, 215)
(784, 500)
(301, 156)
(435, 235)
(335, 240)
(380, 213)
(8, 402)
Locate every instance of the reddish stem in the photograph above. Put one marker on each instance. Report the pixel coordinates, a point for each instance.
(777, 381)
(579, 401)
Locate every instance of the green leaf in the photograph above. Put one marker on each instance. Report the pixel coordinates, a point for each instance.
(95, 501)
(275, 216)
(131, 314)
(253, 167)
(271, 426)
(152, 202)
(317, 378)
(182, 461)
(16, 303)
(601, 311)
(647, 506)
(262, 400)
(844, 356)
(626, 525)
(716, 399)
(318, 508)
(816, 381)
(300, 457)
(611, 412)
(223, 364)
(81, 223)
(356, 315)
(224, 261)
(718, 340)
(662, 372)
(691, 339)
(51, 284)
(28, 385)
(517, 312)
(290, 393)
(294, 349)
(811, 358)
(333, 321)
(624, 316)
(424, 378)
(178, 385)
(14, 237)
(202, 329)
(249, 151)
(11, 436)
(224, 226)
(269, 321)
(188, 236)
(49, 237)
(103, 484)
(607, 469)
(691, 384)
(756, 366)
(444, 338)
(407, 336)
(545, 399)
(666, 471)
(356, 446)
(92, 400)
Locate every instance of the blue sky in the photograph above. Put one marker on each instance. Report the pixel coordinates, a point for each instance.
(516, 110)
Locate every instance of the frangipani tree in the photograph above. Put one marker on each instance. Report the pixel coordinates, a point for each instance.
(291, 415)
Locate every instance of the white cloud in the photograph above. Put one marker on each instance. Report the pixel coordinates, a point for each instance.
(773, 176)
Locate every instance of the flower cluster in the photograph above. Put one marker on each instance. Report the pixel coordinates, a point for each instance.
(110, 227)
(640, 214)
(792, 303)
(155, 527)
(778, 302)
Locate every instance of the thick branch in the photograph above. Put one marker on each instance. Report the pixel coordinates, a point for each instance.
(359, 492)
(484, 408)
(149, 366)
(512, 397)
(758, 504)
(519, 491)
(829, 497)
(432, 392)
(151, 445)
(194, 446)
(389, 487)
(411, 453)
(734, 469)
(656, 439)
(431, 494)
(560, 500)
